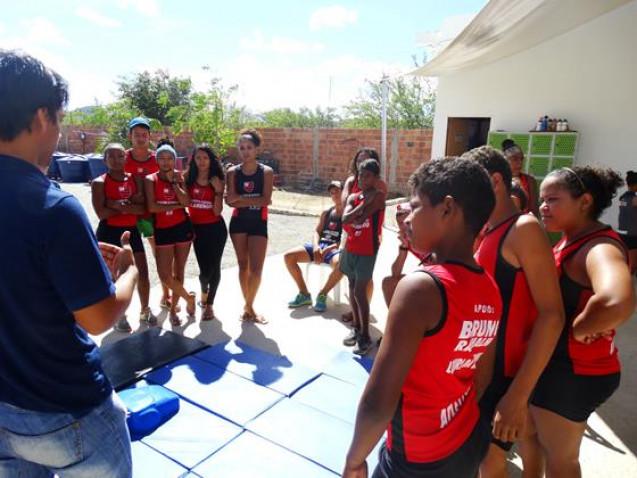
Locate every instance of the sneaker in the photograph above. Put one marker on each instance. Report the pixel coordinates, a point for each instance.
(321, 303)
(351, 339)
(122, 325)
(300, 300)
(363, 345)
(147, 316)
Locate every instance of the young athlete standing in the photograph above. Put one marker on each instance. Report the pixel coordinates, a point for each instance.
(515, 251)
(442, 318)
(598, 296)
(249, 192)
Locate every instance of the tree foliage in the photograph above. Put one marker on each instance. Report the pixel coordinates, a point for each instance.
(303, 118)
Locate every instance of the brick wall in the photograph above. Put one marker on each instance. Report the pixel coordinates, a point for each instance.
(306, 155)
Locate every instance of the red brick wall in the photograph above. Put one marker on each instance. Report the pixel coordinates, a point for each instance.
(293, 148)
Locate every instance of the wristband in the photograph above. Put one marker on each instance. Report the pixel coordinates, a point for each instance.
(403, 248)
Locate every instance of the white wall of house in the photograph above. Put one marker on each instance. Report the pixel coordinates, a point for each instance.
(588, 75)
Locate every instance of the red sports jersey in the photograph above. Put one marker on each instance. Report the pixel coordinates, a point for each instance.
(519, 311)
(356, 189)
(599, 357)
(525, 184)
(140, 168)
(438, 410)
(120, 191)
(201, 204)
(165, 195)
(364, 239)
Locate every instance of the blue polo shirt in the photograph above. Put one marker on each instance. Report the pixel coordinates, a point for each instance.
(50, 265)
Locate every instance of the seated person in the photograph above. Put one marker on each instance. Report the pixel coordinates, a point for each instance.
(324, 248)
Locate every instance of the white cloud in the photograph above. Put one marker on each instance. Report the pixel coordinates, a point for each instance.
(434, 41)
(335, 16)
(41, 31)
(96, 17)
(149, 8)
(281, 45)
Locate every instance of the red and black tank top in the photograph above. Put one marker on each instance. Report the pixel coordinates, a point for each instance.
(250, 186)
(364, 239)
(115, 190)
(437, 410)
(201, 209)
(332, 228)
(165, 195)
(599, 357)
(525, 184)
(518, 307)
(356, 189)
(140, 168)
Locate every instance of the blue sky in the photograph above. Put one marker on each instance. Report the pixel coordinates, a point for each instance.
(279, 53)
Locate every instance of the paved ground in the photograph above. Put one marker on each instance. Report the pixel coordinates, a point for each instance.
(302, 335)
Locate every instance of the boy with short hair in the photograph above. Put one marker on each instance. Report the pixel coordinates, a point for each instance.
(363, 220)
(324, 249)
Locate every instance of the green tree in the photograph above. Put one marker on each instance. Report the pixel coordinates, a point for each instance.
(155, 94)
(303, 118)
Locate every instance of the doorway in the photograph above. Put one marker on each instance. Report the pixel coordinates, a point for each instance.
(464, 134)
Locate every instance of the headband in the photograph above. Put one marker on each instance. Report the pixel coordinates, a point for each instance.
(166, 147)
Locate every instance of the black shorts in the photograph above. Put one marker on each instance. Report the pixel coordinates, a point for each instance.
(465, 462)
(492, 395)
(178, 234)
(629, 241)
(113, 234)
(249, 226)
(571, 396)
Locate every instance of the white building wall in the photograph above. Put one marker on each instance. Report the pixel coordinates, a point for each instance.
(588, 75)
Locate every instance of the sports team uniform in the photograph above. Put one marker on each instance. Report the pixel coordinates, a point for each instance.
(579, 377)
(361, 246)
(525, 184)
(110, 230)
(139, 170)
(627, 227)
(518, 316)
(332, 229)
(171, 227)
(250, 220)
(436, 430)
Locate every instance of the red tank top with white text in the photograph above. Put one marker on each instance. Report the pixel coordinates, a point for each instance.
(599, 357)
(140, 168)
(364, 239)
(165, 195)
(438, 410)
(518, 307)
(201, 204)
(115, 190)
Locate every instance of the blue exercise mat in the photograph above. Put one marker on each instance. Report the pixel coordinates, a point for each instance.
(264, 368)
(148, 463)
(250, 456)
(331, 395)
(192, 435)
(224, 393)
(350, 368)
(304, 430)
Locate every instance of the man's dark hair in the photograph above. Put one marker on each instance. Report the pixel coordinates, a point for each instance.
(370, 165)
(26, 85)
(493, 161)
(464, 180)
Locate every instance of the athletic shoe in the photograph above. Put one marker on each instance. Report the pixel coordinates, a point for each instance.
(122, 325)
(300, 300)
(363, 345)
(147, 316)
(321, 303)
(351, 339)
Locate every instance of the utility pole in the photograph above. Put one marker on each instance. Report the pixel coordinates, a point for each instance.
(383, 126)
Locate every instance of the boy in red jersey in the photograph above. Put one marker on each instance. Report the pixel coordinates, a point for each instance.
(426, 378)
(515, 251)
(362, 219)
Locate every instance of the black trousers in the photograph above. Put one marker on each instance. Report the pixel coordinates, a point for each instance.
(210, 240)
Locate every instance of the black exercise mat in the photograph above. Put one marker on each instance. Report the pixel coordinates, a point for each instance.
(129, 359)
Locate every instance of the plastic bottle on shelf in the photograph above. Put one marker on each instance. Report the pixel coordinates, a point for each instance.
(565, 125)
(545, 123)
(560, 125)
(538, 126)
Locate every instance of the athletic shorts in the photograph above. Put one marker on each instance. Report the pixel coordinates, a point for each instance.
(629, 241)
(146, 226)
(464, 462)
(249, 226)
(327, 258)
(357, 268)
(113, 234)
(178, 234)
(492, 395)
(571, 396)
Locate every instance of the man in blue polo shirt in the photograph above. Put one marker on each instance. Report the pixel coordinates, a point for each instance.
(58, 412)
